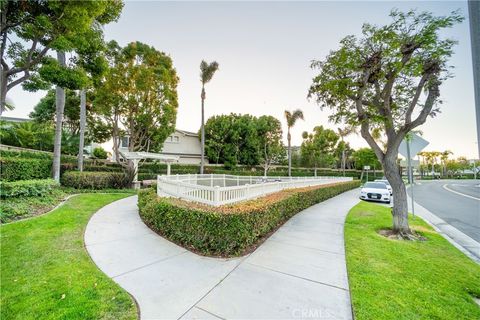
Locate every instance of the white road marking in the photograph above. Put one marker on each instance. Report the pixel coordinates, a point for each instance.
(459, 193)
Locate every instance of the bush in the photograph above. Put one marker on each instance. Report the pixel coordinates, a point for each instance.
(228, 230)
(95, 180)
(100, 153)
(13, 169)
(27, 188)
(16, 208)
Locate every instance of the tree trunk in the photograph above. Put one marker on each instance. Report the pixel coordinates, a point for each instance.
(3, 91)
(289, 154)
(202, 160)
(60, 105)
(400, 205)
(83, 115)
(343, 161)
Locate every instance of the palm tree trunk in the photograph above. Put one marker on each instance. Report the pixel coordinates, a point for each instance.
(83, 115)
(289, 154)
(202, 161)
(60, 105)
(343, 161)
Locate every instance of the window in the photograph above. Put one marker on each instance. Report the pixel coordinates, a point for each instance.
(124, 142)
(176, 139)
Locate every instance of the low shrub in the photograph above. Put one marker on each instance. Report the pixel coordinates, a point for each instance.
(13, 169)
(232, 229)
(94, 180)
(100, 153)
(16, 208)
(27, 188)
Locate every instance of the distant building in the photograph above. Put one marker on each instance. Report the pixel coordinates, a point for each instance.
(14, 119)
(181, 143)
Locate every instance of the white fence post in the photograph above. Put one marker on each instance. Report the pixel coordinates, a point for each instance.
(216, 196)
(185, 187)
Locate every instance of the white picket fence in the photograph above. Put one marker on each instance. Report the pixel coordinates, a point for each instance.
(221, 189)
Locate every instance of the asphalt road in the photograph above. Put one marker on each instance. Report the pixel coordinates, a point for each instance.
(457, 202)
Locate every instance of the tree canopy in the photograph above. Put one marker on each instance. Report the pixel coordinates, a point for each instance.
(138, 96)
(318, 147)
(41, 26)
(388, 80)
(366, 157)
(243, 139)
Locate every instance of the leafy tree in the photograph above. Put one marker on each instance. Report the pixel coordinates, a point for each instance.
(207, 70)
(377, 82)
(366, 157)
(29, 30)
(269, 131)
(44, 110)
(138, 96)
(291, 117)
(217, 132)
(239, 139)
(444, 157)
(342, 133)
(343, 154)
(318, 148)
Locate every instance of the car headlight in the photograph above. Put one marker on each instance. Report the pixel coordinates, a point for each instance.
(386, 194)
(362, 192)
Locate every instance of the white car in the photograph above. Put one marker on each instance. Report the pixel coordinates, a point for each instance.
(375, 191)
(389, 187)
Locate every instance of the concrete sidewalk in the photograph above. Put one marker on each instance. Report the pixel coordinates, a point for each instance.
(299, 272)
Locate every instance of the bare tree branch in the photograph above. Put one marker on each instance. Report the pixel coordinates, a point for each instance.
(418, 91)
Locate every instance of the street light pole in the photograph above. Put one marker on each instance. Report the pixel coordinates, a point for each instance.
(474, 14)
(410, 173)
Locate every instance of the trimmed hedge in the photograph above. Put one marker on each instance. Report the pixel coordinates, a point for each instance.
(27, 188)
(94, 180)
(13, 169)
(232, 229)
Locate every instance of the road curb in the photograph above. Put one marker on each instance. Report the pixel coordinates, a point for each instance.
(456, 237)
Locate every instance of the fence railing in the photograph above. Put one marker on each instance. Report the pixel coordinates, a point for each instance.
(221, 189)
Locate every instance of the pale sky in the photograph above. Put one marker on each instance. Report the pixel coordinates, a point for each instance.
(264, 50)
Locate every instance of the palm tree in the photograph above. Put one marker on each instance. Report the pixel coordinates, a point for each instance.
(207, 70)
(444, 158)
(59, 108)
(344, 133)
(291, 118)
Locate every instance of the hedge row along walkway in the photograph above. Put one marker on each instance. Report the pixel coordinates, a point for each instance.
(299, 272)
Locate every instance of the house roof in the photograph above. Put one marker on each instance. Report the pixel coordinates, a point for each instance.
(14, 119)
(187, 133)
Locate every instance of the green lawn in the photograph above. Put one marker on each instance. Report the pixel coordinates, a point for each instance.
(392, 279)
(46, 272)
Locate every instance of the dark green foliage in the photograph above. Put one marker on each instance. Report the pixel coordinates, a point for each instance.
(318, 148)
(27, 188)
(366, 157)
(37, 136)
(25, 154)
(100, 153)
(228, 230)
(236, 139)
(16, 208)
(13, 169)
(94, 180)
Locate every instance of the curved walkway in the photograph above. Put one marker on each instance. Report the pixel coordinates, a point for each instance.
(299, 272)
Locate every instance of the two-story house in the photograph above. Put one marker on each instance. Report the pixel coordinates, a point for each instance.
(181, 143)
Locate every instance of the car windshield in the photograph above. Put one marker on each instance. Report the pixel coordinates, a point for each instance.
(375, 185)
(384, 181)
